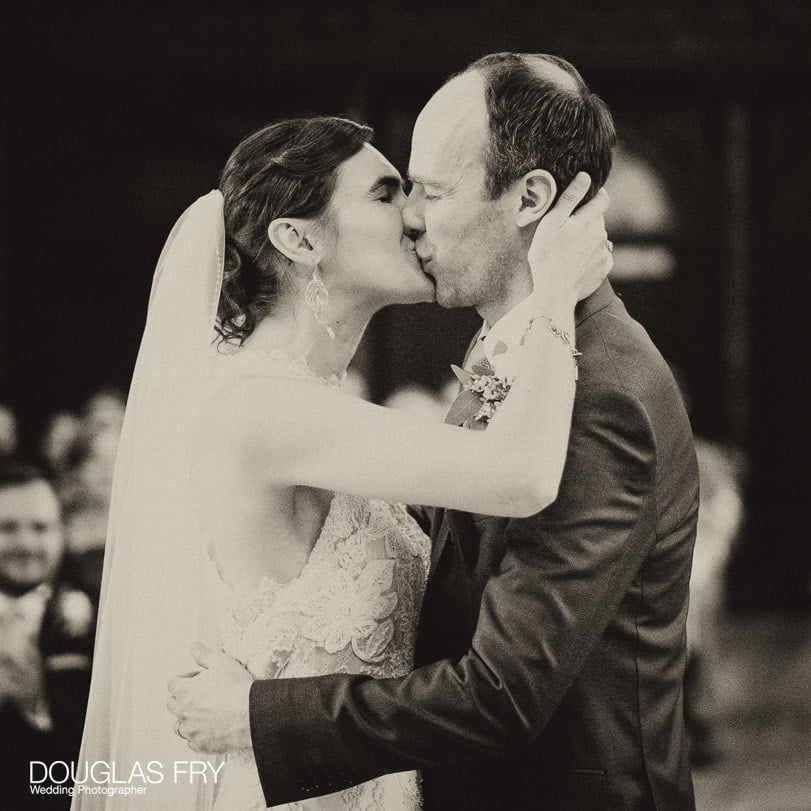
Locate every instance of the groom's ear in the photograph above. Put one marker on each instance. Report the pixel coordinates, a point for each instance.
(288, 236)
(537, 190)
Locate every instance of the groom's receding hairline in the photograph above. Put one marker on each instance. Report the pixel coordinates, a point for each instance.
(552, 69)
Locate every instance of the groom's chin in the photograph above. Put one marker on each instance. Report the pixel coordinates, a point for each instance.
(447, 298)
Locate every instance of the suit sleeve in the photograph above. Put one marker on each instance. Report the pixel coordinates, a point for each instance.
(561, 580)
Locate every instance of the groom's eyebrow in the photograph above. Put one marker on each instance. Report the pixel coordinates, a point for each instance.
(424, 181)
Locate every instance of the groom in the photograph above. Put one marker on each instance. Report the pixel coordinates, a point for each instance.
(551, 650)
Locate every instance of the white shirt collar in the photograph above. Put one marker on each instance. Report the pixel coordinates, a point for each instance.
(29, 606)
(500, 340)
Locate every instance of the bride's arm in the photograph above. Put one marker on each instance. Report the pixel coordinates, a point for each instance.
(308, 434)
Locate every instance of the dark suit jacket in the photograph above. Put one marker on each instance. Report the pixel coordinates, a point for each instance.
(551, 652)
(66, 665)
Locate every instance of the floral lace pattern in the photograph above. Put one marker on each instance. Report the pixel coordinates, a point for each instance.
(353, 608)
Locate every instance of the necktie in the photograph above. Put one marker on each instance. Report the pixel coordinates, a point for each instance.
(476, 354)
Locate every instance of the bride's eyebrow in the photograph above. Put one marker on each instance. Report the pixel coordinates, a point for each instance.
(388, 182)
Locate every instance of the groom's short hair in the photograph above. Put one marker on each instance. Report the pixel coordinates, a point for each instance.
(15, 472)
(536, 123)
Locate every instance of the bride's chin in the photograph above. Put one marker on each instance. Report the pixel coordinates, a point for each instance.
(425, 295)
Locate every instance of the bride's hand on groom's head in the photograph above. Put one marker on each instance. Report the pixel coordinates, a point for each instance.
(570, 254)
(211, 705)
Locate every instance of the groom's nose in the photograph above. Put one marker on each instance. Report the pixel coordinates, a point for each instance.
(413, 221)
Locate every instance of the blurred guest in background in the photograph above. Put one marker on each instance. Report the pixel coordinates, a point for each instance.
(411, 398)
(721, 512)
(103, 413)
(45, 636)
(82, 450)
(58, 439)
(720, 517)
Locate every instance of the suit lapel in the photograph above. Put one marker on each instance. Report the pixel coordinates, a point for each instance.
(442, 524)
(460, 529)
(439, 534)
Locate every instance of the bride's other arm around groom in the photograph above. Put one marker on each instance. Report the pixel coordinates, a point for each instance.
(551, 649)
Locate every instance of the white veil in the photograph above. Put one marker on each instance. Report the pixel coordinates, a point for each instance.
(153, 603)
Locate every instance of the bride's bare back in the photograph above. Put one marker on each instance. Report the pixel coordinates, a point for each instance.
(253, 526)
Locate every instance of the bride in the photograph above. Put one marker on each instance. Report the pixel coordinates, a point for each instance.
(257, 507)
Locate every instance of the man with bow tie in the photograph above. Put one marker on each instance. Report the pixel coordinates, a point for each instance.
(45, 635)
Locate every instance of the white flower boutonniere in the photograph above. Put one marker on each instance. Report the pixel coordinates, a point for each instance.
(482, 393)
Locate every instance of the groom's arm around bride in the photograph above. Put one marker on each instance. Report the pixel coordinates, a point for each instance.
(569, 692)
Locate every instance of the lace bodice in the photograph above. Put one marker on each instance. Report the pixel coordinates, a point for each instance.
(353, 608)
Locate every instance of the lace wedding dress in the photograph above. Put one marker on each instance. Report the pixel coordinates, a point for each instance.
(353, 608)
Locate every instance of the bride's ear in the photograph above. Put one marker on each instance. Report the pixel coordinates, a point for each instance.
(537, 190)
(288, 237)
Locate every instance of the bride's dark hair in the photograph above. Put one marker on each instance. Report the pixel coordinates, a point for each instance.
(287, 169)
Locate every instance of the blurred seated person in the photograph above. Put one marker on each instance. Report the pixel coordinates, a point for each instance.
(412, 398)
(85, 488)
(721, 470)
(720, 516)
(86, 484)
(103, 416)
(45, 636)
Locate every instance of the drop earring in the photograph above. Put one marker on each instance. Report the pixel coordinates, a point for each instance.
(316, 297)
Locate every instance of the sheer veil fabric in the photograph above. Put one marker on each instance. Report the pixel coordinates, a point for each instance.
(153, 604)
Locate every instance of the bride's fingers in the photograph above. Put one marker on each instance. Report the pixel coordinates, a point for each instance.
(596, 207)
(208, 658)
(566, 204)
(203, 655)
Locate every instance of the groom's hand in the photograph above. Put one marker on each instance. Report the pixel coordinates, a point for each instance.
(212, 704)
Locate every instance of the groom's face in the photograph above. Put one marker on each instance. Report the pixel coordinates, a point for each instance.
(469, 243)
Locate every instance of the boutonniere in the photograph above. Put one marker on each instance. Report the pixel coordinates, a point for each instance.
(74, 613)
(482, 393)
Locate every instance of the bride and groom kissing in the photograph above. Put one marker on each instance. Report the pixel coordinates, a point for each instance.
(531, 653)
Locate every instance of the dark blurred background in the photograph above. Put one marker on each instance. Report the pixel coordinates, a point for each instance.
(117, 118)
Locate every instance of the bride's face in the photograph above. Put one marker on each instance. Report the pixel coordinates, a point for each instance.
(367, 255)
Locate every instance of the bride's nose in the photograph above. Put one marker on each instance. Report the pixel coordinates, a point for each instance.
(412, 233)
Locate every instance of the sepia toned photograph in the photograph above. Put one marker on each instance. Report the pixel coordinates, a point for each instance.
(402, 406)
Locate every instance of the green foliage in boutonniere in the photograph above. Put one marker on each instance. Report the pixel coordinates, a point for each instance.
(482, 393)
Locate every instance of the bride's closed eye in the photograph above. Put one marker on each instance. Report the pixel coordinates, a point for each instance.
(386, 189)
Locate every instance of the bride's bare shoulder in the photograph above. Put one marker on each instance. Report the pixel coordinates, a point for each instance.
(257, 408)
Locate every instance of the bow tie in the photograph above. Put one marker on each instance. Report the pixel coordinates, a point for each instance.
(27, 609)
